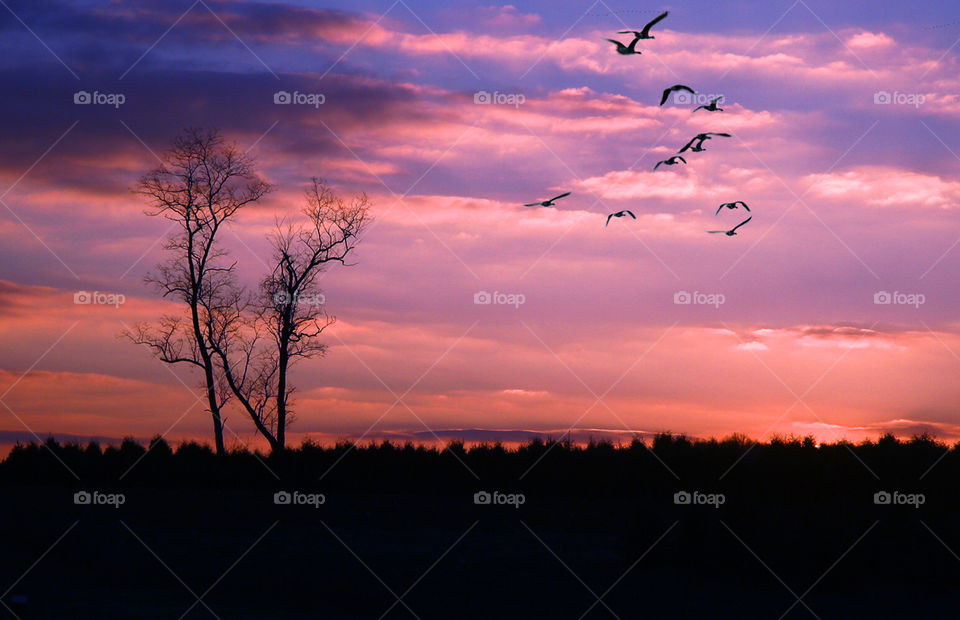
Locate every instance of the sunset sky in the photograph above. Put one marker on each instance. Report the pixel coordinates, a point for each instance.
(851, 197)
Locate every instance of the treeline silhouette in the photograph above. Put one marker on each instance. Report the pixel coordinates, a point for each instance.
(793, 510)
(595, 468)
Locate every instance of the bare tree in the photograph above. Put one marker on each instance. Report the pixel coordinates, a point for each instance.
(202, 183)
(288, 316)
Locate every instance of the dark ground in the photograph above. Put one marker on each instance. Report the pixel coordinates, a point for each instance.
(797, 521)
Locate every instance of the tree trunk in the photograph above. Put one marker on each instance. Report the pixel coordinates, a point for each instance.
(244, 400)
(218, 433)
(214, 409)
(283, 362)
(205, 357)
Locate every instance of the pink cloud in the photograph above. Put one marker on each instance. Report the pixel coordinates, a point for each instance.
(887, 187)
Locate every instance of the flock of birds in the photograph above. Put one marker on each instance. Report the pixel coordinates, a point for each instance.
(695, 145)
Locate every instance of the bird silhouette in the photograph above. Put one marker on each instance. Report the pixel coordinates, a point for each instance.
(626, 50)
(693, 148)
(732, 205)
(620, 214)
(645, 33)
(700, 138)
(674, 88)
(547, 203)
(710, 107)
(670, 161)
(708, 135)
(733, 230)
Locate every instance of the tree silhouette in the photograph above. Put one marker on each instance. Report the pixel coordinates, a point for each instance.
(201, 184)
(289, 313)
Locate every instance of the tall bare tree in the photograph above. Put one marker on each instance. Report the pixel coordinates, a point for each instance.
(203, 182)
(288, 315)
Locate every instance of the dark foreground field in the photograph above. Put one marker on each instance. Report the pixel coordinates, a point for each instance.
(799, 532)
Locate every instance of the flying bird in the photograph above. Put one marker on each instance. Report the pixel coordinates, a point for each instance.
(700, 138)
(732, 205)
(689, 146)
(710, 107)
(674, 88)
(547, 203)
(670, 162)
(620, 214)
(733, 230)
(708, 136)
(645, 33)
(626, 50)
